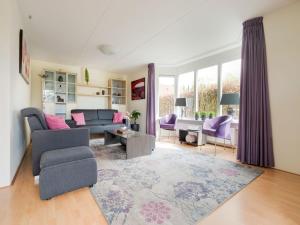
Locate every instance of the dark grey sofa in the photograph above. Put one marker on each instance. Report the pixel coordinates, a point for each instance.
(98, 120)
(62, 158)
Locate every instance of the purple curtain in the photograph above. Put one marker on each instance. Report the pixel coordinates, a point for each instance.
(150, 117)
(255, 134)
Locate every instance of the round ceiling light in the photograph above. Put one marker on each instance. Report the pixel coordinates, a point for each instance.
(107, 49)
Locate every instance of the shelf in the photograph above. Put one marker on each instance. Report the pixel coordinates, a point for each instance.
(93, 95)
(92, 86)
(118, 96)
(118, 88)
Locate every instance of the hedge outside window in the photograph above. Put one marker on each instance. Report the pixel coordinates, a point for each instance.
(166, 95)
(186, 90)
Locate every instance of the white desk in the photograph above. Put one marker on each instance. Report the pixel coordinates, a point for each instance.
(185, 123)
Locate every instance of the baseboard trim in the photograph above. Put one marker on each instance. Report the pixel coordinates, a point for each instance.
(22, 160)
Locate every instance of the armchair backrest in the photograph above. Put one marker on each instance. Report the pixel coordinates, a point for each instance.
(169, 119)
(221, 124)
(36, 118)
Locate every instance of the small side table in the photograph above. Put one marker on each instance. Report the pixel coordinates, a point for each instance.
(200, 140)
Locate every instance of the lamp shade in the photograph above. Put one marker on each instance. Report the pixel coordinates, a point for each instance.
(230, 99)
(180, 102)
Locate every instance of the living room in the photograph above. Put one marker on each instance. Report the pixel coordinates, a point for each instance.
(138, 112)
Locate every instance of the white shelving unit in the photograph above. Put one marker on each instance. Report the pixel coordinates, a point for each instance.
(59, 91)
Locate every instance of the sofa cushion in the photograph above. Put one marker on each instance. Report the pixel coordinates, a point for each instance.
(118, 117)
(93, 123)
(56, 122)
(59, 156)
(106, 114)
(79, 118)
(106, 122)
(89, 114)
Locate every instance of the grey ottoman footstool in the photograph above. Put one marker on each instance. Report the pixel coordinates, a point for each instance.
(65, 170)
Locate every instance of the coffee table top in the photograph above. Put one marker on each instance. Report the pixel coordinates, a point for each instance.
(126, 134)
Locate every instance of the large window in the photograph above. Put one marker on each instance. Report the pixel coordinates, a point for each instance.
(166, 95)
(211, 82)
(207, 89)
(231, 73)
(186, 90)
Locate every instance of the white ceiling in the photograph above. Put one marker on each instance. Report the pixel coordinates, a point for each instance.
(166, 32)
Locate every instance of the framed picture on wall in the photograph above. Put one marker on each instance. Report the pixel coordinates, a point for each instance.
(138, 89)
(24, 58)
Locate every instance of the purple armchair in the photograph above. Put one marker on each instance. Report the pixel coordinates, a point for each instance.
(168, 122)
(218, 127)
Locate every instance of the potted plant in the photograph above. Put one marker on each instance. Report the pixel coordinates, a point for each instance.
(211, 115)
(86, 76)
(203, 115)
(134, 116)
(197, 115)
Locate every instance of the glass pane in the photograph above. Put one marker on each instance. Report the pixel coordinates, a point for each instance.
(186, 90)
(231, 74)
(166, 95)
(49, 76)
(71, 98)
(207, 86)
(71, 88)
(48, 96)
(71, 78)
(49, 85)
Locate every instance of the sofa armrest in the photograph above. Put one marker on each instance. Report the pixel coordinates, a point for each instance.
(47, 140)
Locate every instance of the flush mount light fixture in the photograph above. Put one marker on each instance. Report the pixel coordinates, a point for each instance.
(107, 49)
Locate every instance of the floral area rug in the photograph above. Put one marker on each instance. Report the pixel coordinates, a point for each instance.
(171, 186)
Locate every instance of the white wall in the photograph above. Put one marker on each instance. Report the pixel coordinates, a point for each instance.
(15, 93)
(282, 32)
(140, 105)
(96, 77)
(5, 94)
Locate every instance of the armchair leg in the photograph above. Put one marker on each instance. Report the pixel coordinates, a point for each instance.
(215, 146)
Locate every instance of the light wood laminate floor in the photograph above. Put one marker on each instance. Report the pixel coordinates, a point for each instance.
(273, 198)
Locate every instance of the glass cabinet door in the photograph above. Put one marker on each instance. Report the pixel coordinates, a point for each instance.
(49, 76)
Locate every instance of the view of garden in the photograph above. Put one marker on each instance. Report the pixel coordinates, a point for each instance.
(207, 89)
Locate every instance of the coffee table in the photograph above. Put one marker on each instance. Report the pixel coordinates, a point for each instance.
(137, 143)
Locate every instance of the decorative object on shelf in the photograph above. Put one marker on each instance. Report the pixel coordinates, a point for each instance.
(134, 116)
(203, 115)
(60, 79)
(86, 76)
(98, 93)
(230, 99)
(119, 94)
(138, 89)
(24, 58)
(103, 92)
(60, 99)
(181, 102)
(197, 115)
(61, 88)
(43, 75)
(211, 115)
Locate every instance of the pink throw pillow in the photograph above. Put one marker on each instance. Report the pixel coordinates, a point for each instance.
(118, 117)
(56, 122)
(79, 118)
